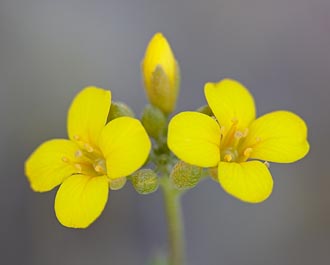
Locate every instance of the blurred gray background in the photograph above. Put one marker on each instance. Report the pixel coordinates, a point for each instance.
(280, 50)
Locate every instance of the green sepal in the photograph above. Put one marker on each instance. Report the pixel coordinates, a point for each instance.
(119, 109)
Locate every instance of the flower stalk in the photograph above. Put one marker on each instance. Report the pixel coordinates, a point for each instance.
(172, 203)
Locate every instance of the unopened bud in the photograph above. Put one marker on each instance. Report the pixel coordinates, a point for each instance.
(185, 176)
(161, 74)
(117, 184)
(145, 181)
(153, 120)
(119, 109)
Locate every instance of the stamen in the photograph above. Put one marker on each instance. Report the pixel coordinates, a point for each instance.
(65, 159)
(89, 148)
(78, 167)
(245, 132)
(76, 137)
(78, 154)
(230, 135)
(228, 158)
(267, 164)
(238, 135)
(247, 152)
(98, 168)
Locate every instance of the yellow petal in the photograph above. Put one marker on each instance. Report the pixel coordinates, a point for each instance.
(125, 145)
(161, 74)
(230, 101)
(80, 200)
(195, 138)
(248, 181)
(279, 136)
(48, 165)
(88, 115)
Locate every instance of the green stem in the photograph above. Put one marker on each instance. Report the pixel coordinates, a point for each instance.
(174, 220)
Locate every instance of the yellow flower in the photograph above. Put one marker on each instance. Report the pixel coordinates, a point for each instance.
(95, 156)
(161, 74)
(235, 136)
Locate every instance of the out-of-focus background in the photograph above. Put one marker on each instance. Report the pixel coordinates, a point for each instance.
(279, 49)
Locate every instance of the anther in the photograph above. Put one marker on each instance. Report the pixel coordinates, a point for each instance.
(76, 137)
(267, 164)
(100, 166)
(228, 158)
(98, 169)
(78, 154)
(88, 148)
(247, 152)
(238, 135)
(78, 167)
(245, 132)
(65, 159)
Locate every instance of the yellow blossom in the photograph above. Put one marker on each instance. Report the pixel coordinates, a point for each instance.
(161, 74)
(95, 157)
(235, 140)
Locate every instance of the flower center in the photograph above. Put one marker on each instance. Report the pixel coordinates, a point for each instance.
(231, 142)
(88, 160)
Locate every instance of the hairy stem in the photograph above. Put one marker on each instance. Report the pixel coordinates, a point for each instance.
(175, 226)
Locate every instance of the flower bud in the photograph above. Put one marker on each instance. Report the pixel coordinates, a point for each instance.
(145, 181)
(161, 74)
(117, 184)
(154, 121)
(185, 176)
(119, 109)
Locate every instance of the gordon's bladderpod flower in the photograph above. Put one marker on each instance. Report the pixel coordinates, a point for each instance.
(96, 156)
(234, 140)
(161, 74)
